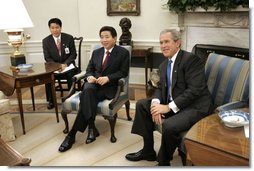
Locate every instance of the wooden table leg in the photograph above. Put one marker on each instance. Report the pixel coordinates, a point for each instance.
(32, 95)
(19, 96)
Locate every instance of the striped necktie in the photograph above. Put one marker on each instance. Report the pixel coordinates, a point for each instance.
(168, 79)
(58, 45)
(105, 60)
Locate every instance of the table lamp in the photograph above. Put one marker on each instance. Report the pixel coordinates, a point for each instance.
(14, 18)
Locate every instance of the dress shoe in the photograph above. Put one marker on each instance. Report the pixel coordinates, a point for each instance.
(50, 105)
(66, 144)
(92, 134)
(151, 156)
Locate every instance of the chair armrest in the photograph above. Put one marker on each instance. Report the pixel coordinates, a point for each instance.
(120, 88)
(232, 105)
(79, 76)
(75, 79)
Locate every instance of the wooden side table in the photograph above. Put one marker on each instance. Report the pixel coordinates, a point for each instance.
(144, 52)
(210, 143)
(41, 73)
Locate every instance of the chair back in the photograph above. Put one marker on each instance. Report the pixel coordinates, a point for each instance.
(79, 41)
(227, 78)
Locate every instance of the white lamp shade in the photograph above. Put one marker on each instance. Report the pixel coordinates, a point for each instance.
(14, 15)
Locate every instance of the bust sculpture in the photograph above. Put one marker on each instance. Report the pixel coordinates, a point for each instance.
(125, 38)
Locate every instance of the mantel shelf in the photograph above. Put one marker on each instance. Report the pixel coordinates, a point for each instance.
(213, 10)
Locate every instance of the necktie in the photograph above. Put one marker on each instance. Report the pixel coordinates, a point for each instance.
(58, 45)
(106, 60)
(168, 79)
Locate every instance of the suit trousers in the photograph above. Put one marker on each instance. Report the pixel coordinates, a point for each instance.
(173, 125)
(91, 95)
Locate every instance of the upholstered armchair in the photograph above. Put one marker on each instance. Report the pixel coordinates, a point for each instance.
(6, 125)
(107, 108)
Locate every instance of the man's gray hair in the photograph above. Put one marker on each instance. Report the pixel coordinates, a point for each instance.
(176, 35)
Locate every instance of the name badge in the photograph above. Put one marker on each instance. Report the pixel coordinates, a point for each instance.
(67, 51)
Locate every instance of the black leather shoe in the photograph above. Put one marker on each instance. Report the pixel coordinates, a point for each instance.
(92, 134)
(151, 156)
(66, 144)
(50, 105)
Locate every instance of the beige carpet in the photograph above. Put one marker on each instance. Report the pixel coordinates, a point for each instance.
(44, 135)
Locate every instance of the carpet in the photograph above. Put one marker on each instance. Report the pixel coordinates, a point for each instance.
(44, 135)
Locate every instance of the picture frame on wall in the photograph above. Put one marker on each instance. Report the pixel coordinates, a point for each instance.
(123, 7)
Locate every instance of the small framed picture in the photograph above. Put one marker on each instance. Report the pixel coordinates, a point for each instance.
(123, 7)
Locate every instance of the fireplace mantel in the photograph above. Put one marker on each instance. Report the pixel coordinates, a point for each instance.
(213, 27)
(234, 19)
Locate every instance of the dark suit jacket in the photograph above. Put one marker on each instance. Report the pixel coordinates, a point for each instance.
(117, 67)
(51, 53)
(189, 87)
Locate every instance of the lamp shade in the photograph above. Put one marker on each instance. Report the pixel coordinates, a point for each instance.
(14, 15)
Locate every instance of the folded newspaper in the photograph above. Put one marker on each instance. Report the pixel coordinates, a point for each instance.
(71, 66)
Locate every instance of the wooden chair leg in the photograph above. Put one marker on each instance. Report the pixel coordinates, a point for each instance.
(127, 107)
(112, 123)
(183, 157)
(60, 87)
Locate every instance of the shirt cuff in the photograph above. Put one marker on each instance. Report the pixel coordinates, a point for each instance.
(173, 106)
(156, 100)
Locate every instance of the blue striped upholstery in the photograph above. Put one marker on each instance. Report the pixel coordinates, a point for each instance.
(227, 78)
(72, 103)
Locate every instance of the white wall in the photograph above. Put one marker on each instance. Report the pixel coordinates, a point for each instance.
(85, 18)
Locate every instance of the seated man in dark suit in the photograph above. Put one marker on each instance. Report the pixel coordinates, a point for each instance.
(181, 99)
(59, 48)
(107, 65)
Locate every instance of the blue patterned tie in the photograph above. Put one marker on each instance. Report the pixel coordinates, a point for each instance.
(168, 79)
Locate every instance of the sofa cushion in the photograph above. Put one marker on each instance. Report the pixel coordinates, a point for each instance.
(227, 78)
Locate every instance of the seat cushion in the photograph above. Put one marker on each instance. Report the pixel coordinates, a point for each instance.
(72, 104)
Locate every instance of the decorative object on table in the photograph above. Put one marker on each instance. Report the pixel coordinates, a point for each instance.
(15, 19)
(153, 82)
(123, 7)
(24, 67)
(125, 38)
(234, 118)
